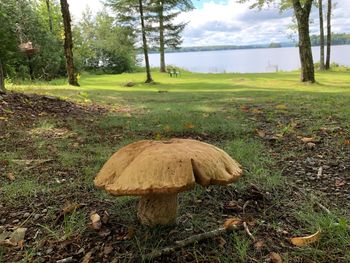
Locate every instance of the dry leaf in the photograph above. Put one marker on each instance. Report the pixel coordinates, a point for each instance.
(232, 222)
(167, 128)
(222, 242)
(259, 244)
(256, 111)
(11, 177)
(281, 106)
(307, 139)
(87, 257)
(7, 243)
(275, 257)
(70, 207)
(339, 183)
(347, 142)
(105, 217)
(245, 108)
(95, 221)
(260, 133)
(189, 125)
(304, 241)
(130, 234)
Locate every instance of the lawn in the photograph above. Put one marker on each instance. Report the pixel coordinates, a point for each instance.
(292, 139)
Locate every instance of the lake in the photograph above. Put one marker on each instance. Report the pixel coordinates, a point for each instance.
(247, 60)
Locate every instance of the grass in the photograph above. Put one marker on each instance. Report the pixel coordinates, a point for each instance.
(222, 109)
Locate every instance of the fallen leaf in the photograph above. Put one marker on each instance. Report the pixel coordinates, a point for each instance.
(260, 133)
(257, 111)
(304, 241)
(105, 217)
(232, 222)
(7, 243)
(67, 209)
(107, 250)
(70, 207)
(347, 142)
(275, 257)
(307, 139)
(189, 125)
(245, 108)
(233, 205)
(222, 242)
(130, 234)
(11, 177)
(87, 257)
(259, 244)
(96, 223)
(167, 128)
(339, 183)
(281, 106)
(18, 235)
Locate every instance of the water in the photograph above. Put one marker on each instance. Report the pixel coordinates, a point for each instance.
(247, 60)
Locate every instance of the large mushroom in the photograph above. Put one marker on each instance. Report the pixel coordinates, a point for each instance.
(159, 170)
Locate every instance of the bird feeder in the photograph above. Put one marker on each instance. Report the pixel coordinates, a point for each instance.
(159, 170)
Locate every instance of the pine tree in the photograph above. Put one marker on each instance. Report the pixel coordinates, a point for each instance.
(131, 14)
(320, 6)
(168, 33)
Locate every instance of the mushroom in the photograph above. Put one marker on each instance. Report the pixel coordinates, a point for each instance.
(159, 170)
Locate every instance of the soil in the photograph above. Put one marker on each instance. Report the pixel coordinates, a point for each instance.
(322, 166)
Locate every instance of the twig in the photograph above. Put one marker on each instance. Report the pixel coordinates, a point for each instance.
(182, 243)
(248, 231)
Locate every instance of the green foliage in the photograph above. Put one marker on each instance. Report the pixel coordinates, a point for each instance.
(100, 45)
(23, 21)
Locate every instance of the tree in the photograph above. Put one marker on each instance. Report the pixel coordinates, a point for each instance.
(144, 43)
(329, 34)
(131, 14)
(68, 43)
(302, 14)
(320, 9)
(48, 6)
(302, 9)
(169, 32)
(2, 78)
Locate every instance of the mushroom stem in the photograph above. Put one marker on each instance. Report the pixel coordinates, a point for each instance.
(157, 209)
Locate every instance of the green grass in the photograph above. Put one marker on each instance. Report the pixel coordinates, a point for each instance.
(222, 109)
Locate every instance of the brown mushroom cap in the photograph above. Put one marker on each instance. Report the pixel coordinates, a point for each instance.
(155, 167)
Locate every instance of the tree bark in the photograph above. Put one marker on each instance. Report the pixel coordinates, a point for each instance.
(161, 36)
(322, 67)
(2, 79)
(329, 35)
(302, 14)
(144, 42)
(49, 15)
(68, 43)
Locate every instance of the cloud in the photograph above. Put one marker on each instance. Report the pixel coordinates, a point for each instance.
(231, 23)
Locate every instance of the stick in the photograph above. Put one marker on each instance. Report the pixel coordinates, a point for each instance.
(248, 231)
(182, 243)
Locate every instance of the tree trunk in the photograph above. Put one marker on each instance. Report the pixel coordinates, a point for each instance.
(161, 37)
(49, 15)
(329, 34)
(307, 65)
(2, 79)
(68, 43)
(321, 35)
(144, 41)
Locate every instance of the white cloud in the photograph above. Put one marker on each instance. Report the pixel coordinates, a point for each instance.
(228, 22)
(236, 24)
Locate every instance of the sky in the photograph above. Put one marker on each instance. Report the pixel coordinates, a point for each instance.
(226, 22)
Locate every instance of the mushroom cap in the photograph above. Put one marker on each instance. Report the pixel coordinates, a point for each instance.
(161, 167)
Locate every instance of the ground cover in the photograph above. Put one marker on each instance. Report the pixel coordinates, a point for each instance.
(292, 139)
